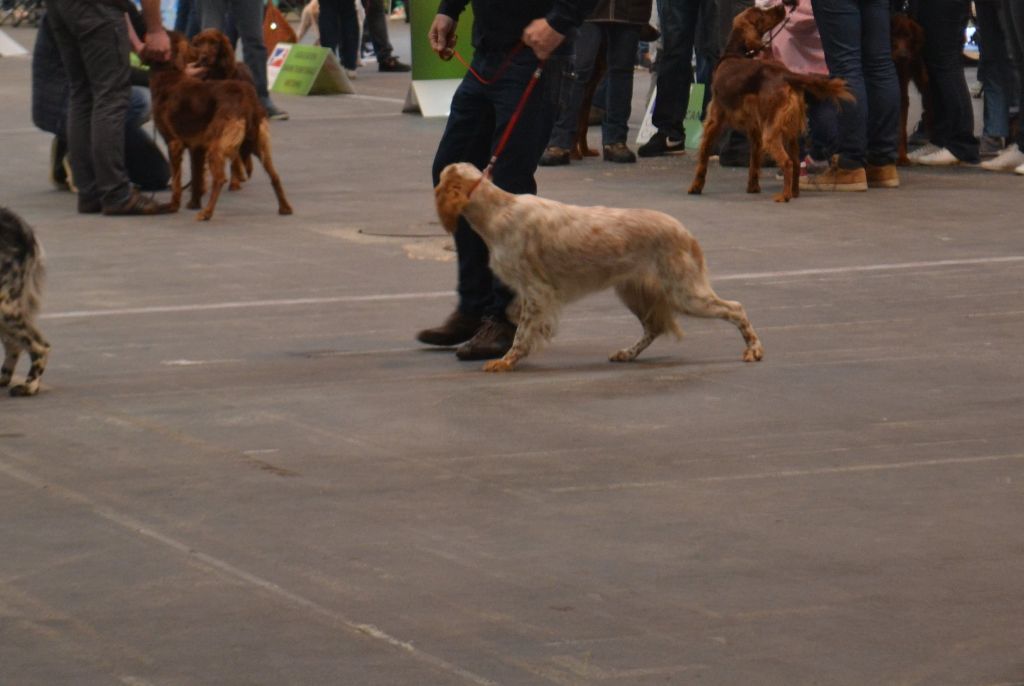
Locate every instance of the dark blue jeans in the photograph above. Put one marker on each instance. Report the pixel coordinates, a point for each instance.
(855, 36)
(995, 70)
(339, 30)
(952, 114)
(1015, 34)
(479, 115)
(620, 50)
(248, 19)
(679, 22)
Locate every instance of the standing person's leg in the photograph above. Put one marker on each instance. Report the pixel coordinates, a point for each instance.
(995, 73)
(1013, 157)
(212, 13)
(943, 22)
(339, 31)
(707, 48)
(883, 92)
(467, 138)
(841, 28)
(248, 18)
(674, 76)
(564, 131)
(622, 40)
(182, 15)
(376, 25)
(93, 43)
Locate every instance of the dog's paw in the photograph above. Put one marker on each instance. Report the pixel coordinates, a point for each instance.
(500, 365)
(204, 216)
(753, 354)
(625, 355)
(193, 205)
(284, 209)
(781, 197)
(695, 190)
(753, 188)
(5, 381)
(23, 391)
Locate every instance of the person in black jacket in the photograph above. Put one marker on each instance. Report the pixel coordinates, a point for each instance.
(510, 37)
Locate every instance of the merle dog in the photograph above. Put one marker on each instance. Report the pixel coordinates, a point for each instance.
(21, 280)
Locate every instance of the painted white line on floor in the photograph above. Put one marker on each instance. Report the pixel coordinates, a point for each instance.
(136, 527)
(291, 302)
(787, 474)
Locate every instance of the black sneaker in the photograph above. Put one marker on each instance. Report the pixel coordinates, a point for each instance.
(393, 64)
(661, 144)
(618, 152)
(493, 339)
(138, 204)
(554, 157)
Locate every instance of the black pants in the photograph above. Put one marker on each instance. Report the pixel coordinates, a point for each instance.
(952, 114)
(93, 42)
(479, 115)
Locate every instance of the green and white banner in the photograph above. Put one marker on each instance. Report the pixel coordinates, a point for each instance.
(306, 70)
(434, 80)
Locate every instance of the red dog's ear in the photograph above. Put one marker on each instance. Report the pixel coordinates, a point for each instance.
(451, 198)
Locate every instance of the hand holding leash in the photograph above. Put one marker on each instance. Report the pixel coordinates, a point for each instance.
(442, 36)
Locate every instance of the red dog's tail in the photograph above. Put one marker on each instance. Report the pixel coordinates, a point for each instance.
(821, 87)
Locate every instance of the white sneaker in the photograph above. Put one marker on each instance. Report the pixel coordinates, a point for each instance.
(1007, 160)
(940, 158)
(1019, 170)
(926, 149)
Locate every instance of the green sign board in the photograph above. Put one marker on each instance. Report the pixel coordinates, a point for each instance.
(305, 70)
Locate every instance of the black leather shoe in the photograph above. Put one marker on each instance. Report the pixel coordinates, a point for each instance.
(493, 339)
(554, 157)
(392, 64)
(138, 204)
(458, 328)
(618, 152)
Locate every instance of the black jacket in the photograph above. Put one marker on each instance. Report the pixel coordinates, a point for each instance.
(498, 24)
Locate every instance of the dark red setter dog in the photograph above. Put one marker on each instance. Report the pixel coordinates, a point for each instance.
(213, 52)
(213, 120)
(907, 53)
(764, 99)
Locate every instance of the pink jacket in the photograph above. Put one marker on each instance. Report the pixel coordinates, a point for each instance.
(798, 45)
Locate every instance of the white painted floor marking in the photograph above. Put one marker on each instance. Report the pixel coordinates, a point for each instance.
(383, 297)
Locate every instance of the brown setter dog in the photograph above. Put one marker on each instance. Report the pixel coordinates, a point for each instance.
(908, 54)
(213, 120)
(764, 99)
(213, 52)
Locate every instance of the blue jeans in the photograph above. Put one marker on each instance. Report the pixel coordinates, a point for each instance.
(622, 40)
(679, 21)
(248, 18)
(479, 115)
(953, 113)
(995, 70)
(1015, 33)
(855, 36)
(339, 30)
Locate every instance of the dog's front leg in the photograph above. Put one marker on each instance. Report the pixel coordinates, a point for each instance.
(527, 332)
(177, 152)
(11, 352)
(198, 157)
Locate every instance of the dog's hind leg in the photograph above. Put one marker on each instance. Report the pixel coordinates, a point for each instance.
(11, 353)
(703, 302)
(39, 351)
(654, 314)
(198, 187)
(782, 154)
(713, 125)
(754, 169)
(263, 152)
(794, 157)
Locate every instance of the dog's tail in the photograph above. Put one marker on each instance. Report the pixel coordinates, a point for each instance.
(821, 87)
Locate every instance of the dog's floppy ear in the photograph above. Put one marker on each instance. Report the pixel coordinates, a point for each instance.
(451, 196)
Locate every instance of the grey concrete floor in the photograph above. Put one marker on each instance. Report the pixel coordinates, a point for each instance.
(243, 470)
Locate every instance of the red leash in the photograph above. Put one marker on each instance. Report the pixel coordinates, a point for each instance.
(516, 114)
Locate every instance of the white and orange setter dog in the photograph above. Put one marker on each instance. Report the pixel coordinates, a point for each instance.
(551, 254)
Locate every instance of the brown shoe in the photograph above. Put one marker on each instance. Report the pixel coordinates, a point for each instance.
(458, 328)
(137, 204)
(492, 340)
(885, 176)
(836, 179)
